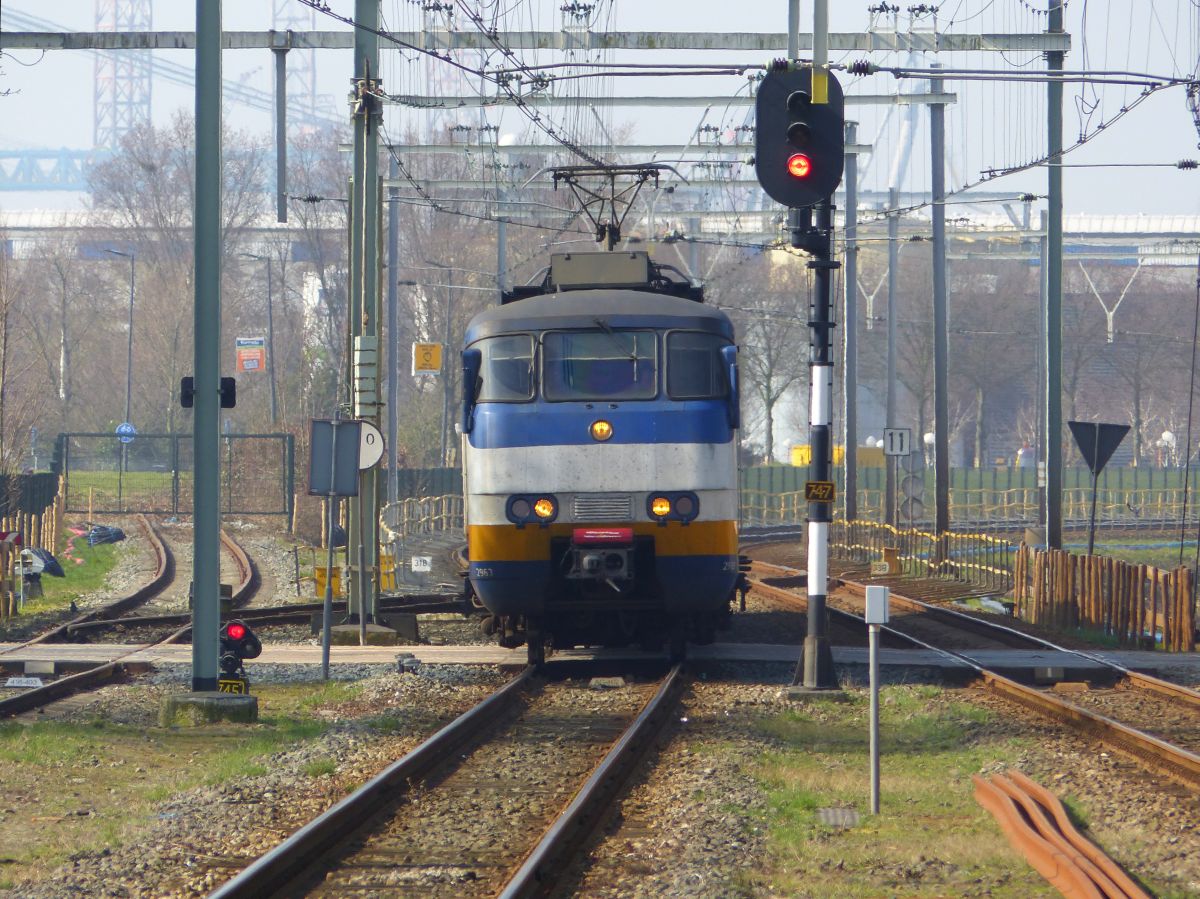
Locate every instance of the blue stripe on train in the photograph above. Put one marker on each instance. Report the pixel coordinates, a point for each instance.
(688, 583)
(504, 425)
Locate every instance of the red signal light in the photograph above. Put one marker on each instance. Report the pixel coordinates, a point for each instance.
(236, 631)
(799, 165)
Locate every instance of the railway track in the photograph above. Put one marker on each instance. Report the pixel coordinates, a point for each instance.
(105, 617)
(495, 803)
(1154, 722)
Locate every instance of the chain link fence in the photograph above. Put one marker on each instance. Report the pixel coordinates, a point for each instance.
(153, 474)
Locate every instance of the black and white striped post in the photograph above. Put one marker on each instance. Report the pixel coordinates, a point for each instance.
(816, 665)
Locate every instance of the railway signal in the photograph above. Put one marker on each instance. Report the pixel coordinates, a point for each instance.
(798, 144)
(238, 643)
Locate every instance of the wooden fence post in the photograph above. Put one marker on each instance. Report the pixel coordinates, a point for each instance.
(1189, 614)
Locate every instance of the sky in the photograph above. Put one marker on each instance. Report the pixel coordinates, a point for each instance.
(991, 126)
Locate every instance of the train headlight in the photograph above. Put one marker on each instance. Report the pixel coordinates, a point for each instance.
(601, 430)
(682, 506)
(528, 509)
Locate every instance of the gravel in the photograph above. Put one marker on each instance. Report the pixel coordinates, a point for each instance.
(183, 852)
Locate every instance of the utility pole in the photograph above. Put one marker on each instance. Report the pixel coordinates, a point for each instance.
(393, 352)
(850, 330)
(271, 346)
(445, 365)
(1054, 237)
(941, 333)
(893, 233)
(367, 115)
(206, 549)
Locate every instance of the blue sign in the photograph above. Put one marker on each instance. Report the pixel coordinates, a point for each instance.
(126, 432)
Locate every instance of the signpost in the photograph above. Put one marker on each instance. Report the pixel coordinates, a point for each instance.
(332, 473)
(1097, 442)
(125, 433)
(876, 614)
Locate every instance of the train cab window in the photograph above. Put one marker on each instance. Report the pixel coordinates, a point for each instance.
(695, 370)
(506, 374)
(599, 365)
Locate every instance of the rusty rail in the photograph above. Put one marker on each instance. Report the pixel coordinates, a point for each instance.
(1037, 825)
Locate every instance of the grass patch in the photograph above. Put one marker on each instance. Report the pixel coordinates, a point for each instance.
(77, 787)
(89, 576)
(320, 767)
(931, 838)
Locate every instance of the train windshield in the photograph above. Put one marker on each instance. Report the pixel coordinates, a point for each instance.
(695, 370)
(506, 374)
(599, 365)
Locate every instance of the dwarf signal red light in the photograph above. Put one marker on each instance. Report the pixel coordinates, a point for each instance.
(236, 631)
(799, 165)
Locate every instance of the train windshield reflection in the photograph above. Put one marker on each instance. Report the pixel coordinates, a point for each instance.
(506, 373)
(600, 365)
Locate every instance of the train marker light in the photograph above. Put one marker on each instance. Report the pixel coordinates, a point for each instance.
(601, 430)
(799, 165)
(660, 506)
(544, 508)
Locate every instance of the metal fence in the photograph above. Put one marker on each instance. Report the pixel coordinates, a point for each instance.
(153, 474)
(1126, 496)
(421, 515)
(983, 560)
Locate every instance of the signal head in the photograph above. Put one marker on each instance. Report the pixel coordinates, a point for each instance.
(238, 643)
(799, 144)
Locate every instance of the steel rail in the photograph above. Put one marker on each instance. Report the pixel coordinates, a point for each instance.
(1053, 808)
(248, 572)
(1143, 748)
(60, 689)
(115, 669)
(1137, 679)
(164, 574)
(1031, 831)
(271, 872)
(564, 837)
(276, 614)
(1160, 755)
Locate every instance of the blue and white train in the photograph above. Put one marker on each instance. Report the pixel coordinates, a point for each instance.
(600, 463)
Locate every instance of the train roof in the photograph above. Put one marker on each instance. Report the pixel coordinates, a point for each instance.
(581, 309)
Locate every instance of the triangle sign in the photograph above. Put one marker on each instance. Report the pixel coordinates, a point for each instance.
(1097, 441)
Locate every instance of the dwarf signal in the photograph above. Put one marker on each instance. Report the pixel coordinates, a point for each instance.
(238, 643)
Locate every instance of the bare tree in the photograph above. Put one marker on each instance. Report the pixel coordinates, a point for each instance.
(767, 297)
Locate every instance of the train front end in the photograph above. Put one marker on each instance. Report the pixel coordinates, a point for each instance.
(599, 448)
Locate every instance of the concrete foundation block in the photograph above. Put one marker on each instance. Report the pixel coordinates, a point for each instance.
(196, 709)
(348, 635)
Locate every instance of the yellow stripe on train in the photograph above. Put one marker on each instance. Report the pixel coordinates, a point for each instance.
(504, 543)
